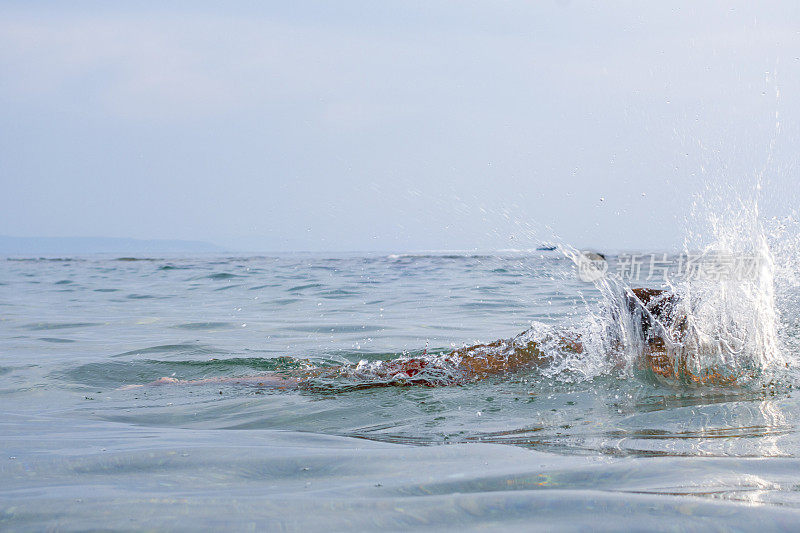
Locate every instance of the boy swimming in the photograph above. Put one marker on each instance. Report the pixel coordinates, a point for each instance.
(654, 314)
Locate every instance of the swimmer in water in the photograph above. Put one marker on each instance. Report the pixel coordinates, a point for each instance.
(654, 312)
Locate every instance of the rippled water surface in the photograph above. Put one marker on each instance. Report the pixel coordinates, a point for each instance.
(81, 449)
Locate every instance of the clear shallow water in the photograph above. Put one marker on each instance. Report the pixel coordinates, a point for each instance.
(80, 450)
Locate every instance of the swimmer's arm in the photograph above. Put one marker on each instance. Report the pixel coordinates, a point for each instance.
(272, 381)
(476, 362)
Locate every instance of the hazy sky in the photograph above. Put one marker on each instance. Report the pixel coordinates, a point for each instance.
(387, 125)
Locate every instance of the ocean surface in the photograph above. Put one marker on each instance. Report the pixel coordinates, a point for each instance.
(598, 449)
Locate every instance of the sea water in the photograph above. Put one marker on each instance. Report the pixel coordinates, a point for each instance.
(584, 443)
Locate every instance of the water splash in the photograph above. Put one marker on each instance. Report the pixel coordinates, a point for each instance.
(743, 324)
(733, 321)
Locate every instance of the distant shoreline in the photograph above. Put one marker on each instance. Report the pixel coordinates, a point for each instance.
(100, 245)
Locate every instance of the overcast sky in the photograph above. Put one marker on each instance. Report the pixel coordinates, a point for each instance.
(365, 125)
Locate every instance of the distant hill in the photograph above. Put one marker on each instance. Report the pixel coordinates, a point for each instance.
(91, 245)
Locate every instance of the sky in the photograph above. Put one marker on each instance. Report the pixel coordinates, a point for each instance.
(414, 125)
